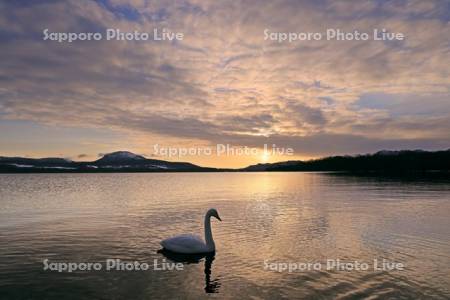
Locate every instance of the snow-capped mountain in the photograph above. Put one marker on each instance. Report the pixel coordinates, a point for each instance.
(120, 157)
(116, 161)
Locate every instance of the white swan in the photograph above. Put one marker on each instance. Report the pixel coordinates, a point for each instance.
(192, 244)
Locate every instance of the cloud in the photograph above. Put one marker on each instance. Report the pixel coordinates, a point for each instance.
(224, 82)
(305, 114)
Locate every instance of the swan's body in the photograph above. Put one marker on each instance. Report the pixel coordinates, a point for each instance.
(192, 244)
(186, 243)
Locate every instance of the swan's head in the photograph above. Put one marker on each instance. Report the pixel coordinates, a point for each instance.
(213, 213)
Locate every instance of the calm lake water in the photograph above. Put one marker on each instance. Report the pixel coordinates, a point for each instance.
(268, 219)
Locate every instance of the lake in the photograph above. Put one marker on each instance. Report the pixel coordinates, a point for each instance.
(270, 221)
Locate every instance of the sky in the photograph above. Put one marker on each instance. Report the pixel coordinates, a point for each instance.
(224, 83)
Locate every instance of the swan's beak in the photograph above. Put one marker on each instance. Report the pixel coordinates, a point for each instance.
(218, 218)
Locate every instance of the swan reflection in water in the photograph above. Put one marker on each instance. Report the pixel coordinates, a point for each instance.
(211, 285)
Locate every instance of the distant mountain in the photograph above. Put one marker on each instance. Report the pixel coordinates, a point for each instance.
(21, 162)
(120, 161)
(266, 166)
(123, 161)
(382, 161)
(120, 156)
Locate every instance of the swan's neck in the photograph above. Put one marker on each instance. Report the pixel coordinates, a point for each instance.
(208, 234)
